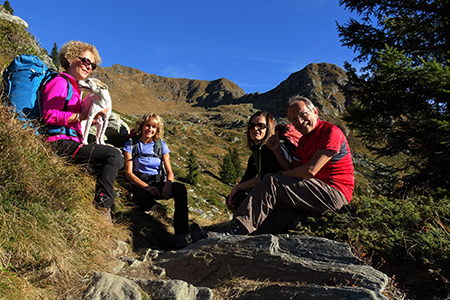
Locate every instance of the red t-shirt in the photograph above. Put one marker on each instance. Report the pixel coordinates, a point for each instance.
(338, 171)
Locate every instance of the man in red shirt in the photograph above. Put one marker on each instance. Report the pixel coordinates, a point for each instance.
(320, 178)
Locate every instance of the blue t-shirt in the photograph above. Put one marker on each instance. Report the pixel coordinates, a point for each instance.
(146, 164)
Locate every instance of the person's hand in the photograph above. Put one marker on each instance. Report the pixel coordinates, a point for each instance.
(83, 115)
(100, 114)
(153, 190)
(167, 190)
(230, 203)
(273, 142)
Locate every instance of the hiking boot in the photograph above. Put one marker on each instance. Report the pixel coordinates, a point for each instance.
(182, 240)
(197, 233)
(234, 228)
(105, 212)
(151, 211)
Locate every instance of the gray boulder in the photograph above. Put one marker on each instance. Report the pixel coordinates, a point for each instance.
(105, 286)
(308, 265)
(309, 292)
(116, 132)
(10, 18)
(174, 290)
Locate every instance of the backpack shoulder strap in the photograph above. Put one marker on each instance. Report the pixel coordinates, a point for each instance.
(57, 129)
(51, 76)
(69, 89)
(157, 148)
(134, 141)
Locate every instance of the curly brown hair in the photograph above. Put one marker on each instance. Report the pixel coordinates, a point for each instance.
(70, 51)
(156, 120)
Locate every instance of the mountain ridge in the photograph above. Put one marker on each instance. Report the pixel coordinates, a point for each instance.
(133, 91)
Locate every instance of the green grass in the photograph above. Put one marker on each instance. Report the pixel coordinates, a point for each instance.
(14, 40)
(405, 238)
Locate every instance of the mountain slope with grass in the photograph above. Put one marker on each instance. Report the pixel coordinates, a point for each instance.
(51, 237)
(50, 234)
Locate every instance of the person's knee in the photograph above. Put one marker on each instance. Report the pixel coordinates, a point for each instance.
(116, 158)
(271, 177)
(120, 161)
(270, 180)
(179, 188)
(179, 193)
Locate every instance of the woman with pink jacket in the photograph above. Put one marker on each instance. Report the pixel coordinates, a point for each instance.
(61, 111)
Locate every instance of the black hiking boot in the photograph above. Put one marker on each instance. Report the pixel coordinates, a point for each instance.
(197, 233)
(234, 228)
(182, 240)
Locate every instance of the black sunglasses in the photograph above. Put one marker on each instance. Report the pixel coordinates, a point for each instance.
(87, 62)
(260, 126)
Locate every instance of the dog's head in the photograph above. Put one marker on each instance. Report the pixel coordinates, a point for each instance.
(92, 85)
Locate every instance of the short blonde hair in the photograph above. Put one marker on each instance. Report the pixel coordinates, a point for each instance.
(156, 119)
(70, 51)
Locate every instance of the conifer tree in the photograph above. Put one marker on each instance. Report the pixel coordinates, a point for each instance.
(227, 172)
(8, 7)
(234, 154)
(192, 168)
(401, 98)
(54, 56)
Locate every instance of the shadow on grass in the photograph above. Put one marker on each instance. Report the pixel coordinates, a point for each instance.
(211, 174)
(148, 231)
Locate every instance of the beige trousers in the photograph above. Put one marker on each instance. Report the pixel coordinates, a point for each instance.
(277, 200)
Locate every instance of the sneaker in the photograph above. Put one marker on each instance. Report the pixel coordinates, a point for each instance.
(182, 240)
(197, 233)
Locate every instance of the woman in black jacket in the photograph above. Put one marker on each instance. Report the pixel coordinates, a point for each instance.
(260, 128)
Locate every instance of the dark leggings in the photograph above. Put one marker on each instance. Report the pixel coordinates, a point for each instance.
(145, 200)
(104, 160)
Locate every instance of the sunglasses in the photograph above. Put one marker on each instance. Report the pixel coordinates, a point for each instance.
(260, 126)
(87, 62)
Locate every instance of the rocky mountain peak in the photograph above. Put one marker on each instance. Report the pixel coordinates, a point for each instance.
(4, 14)
(133, 91)
(321, 83)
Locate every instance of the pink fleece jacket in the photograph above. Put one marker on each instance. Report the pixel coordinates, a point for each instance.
(54, 96)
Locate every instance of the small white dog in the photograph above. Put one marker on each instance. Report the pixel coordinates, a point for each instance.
(98, 101)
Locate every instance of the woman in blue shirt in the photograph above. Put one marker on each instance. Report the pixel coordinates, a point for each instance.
(146, 159)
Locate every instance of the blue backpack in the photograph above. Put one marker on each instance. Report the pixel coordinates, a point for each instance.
(24, 78)
(23, 81)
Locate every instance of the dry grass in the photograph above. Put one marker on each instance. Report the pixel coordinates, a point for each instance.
(50, 234)
(237, 287)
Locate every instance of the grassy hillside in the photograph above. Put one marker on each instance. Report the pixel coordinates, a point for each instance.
(51, 236)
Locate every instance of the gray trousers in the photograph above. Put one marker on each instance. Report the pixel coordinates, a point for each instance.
(277, 200)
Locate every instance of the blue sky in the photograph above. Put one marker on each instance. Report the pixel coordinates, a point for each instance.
(255, 43)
